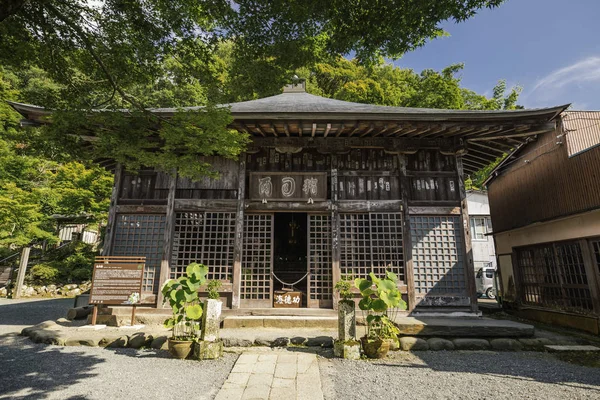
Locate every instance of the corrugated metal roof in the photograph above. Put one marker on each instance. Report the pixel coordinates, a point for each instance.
(582, 129)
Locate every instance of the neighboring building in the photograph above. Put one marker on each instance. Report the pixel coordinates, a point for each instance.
(326, 189)
(545, 204)
(484, 254)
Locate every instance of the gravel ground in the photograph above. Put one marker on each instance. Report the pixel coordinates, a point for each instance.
(460, 375)
(18, 314)
(35, 371)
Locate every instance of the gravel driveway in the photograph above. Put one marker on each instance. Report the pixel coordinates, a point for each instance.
(460, 375)
(35, 371)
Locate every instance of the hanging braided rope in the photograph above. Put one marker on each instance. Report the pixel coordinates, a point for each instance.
(291, 285)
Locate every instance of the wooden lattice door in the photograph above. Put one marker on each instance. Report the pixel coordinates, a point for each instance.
(256, 286)
(320, 279)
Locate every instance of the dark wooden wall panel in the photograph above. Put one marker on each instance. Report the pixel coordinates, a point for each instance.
(544, 183)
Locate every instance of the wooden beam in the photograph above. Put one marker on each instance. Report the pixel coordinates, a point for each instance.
(273, 130)
(365, 133)
(410, 130)
(466, 231)
(286, 129)
(356, 129)
(477, 162)
(300, 129)
(394, 131)
(259, 129)
(112, 212)
(335, 230)
(406, 236)
(473, 153)
(382, 130)
(486, 147)
(314, 129)
(239, 233)
(514, 135)
(165, 264)
(327, 129)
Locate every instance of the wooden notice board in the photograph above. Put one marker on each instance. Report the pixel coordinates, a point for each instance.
(116, 280)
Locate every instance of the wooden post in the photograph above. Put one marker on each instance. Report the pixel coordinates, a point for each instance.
(336, 273)
(239, 234)
(407, 242)
(592, 273)
(16, 294)
(112, 212)
(165, 265)
(94, 315)
(133, 315)
(468, 251)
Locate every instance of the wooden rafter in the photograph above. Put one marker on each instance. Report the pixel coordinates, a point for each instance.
(314, 129)
(327, 129)
(365, 133)
(478, 144)
(286, 129)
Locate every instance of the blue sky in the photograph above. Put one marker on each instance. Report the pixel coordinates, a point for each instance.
(549, 47)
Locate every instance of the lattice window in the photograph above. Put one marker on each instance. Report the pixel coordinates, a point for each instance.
(371, 243)
(141, 235)
(319, 257)
(553, 275)
(355, 245)
(437, 255)
(257, 257)
(206, 238)
(386, 243)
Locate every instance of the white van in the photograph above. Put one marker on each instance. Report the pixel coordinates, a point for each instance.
(485, 282)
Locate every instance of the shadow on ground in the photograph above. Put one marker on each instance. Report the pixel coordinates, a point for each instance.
(31, 312)
(35, 371)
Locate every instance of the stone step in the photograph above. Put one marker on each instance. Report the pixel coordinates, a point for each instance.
(462, 327)
(278, 321)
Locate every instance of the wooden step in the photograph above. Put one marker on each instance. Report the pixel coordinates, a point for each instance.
(279, 321)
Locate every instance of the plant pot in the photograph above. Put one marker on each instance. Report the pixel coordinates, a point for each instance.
(180, 349)
(376, 348)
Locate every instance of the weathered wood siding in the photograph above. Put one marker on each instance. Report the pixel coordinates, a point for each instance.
(543, 183)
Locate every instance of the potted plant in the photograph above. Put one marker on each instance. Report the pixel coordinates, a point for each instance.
(182, 295)
(346, 345)
(380, 301)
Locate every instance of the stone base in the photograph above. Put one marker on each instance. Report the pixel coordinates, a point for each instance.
(350, 350)
(204, 350)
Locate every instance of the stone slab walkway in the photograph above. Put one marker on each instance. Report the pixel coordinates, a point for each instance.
(273, 375)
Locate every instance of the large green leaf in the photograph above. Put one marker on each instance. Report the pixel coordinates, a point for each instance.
(392, 276)
(386, 285)
(193, 312)
(169, 323)
(362, 284)
(374, 279)
(365, 303)
(190, 296)
(378, 305)
(391, 298)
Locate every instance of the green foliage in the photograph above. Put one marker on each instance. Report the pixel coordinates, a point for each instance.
(343, 287)
(72, 263)
(385, 84)
(182, 296)
(378, 303)
(213, 287)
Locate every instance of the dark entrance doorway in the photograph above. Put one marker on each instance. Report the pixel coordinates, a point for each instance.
(289, 261)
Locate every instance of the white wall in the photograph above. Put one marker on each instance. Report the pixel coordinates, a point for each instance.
(483, 250)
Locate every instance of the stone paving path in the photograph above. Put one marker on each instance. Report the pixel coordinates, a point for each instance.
(273, 375)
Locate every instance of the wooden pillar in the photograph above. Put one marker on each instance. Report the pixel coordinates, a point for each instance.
(16, 294)
(335, 232)
(468, 251)
(409, 276)
(112, 212)
(239, 233)
(165, 264)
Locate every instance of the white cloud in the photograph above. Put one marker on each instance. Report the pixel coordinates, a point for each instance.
(578, 76)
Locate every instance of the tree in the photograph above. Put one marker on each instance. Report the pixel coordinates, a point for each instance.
(385, 84)
(105, 53)
(37, 181)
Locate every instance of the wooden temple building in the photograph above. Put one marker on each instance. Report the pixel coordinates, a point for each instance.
(327, 189)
